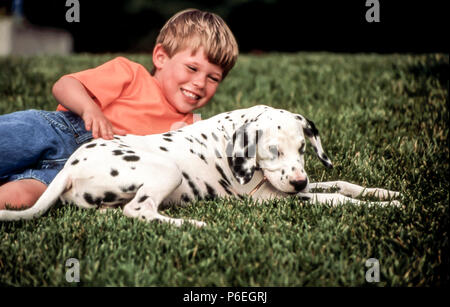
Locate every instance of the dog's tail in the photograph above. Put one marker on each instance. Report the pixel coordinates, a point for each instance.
(47, 199)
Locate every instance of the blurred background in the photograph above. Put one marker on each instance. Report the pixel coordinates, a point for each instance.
(33, 27)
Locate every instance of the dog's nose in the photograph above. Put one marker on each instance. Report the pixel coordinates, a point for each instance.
(299, 184)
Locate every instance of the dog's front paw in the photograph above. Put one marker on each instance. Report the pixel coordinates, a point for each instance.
(196, 223)
(383, 194)
(392, 203)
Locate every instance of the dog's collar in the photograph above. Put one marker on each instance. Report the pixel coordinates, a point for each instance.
(258, 186)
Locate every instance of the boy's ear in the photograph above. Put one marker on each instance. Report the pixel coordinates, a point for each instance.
(159, 56)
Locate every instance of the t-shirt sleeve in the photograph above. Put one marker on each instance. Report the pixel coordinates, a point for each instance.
(107, 81)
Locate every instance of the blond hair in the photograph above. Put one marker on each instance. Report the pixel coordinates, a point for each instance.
(193, 29)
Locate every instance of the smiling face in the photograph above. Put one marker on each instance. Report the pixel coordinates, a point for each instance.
(187, 79)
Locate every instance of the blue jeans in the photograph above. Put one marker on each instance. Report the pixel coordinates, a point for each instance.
(36, 144)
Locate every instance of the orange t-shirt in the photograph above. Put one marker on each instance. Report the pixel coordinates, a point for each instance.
(130, 98)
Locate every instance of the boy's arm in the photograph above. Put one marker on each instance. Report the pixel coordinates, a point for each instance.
(71, 93)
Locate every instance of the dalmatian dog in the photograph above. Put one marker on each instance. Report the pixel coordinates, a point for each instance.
(257, 151)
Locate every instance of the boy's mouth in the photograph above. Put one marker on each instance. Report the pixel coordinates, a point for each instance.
(190, 94)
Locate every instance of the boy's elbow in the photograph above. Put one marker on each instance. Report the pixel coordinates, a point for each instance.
(58, 87)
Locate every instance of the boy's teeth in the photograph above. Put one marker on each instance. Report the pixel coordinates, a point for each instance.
(189, 94)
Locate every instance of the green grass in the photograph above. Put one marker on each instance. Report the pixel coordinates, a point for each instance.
(383, 121)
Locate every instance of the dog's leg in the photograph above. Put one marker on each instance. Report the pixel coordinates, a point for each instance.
(145, 204)
(147, 210)
(335, 199)
(354, 190)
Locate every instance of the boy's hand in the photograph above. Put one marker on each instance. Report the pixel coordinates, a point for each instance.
(100, 126)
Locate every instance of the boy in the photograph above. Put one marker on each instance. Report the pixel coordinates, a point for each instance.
(194, 52)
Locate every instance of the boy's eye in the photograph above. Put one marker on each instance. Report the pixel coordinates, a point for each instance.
(214, 79)
(191, 68)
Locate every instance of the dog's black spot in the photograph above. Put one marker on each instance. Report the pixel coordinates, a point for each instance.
(239, 161)
(130, 151)
(130, 189)
(91, 145)
(279, 127)
(311, 130)
(225, 186)
(211, 192)
(201, 156)
(167, 134)
(200, 142)
(301, 150)
(214, 137)
(282, 172)
(167, 139)
(304, 198)
(90, 200)
(133, 168)
(103, 144)
(190, 140)
(222, 174)
(109, 197)
(185, 198)
(131, 158)
(75, 162)
(191, 184)
(142, 199)
(204, 136)
(242, 172)
(117, 152)
(193, 188)
(218, 155)
(84, 159)
(114, 172)
(163, 148)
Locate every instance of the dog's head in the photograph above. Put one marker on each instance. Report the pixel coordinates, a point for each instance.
(274, 142)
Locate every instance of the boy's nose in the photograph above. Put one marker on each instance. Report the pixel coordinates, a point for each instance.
(199, 82)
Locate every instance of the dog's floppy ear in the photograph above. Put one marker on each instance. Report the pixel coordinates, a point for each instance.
(310, 130)
(241, 152)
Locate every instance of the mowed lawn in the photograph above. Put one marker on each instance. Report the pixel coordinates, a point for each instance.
(383, 120)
